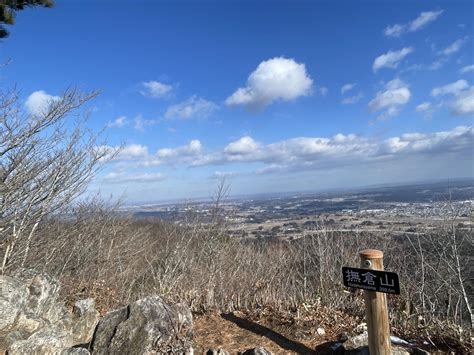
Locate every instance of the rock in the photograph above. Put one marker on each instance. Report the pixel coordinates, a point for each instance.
(397, 350)
(33, 321)
(321, 331)
(44, 341)
(361, 328)
(257, 351)
(13, 298)
(356, 342)
(75, 351)
(216, 352)
(147, 326)
(106, 329)
(84, 320)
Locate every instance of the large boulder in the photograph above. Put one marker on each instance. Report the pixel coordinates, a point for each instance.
(33, 321)
(147, 326)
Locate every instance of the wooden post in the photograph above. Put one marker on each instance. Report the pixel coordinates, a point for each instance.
(376, 307)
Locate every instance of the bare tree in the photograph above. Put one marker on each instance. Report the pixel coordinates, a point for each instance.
(46, 160)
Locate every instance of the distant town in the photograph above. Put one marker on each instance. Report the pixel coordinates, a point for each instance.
(396, 210)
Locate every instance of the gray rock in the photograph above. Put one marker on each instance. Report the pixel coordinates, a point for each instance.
(13, 298)
(32, 321)
(106, 329)
(84, 320)
(356, 342)
(147, 326)
(257, 351)
(44, 341)
(75, 351)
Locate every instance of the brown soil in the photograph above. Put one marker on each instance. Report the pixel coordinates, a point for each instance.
(279, 332)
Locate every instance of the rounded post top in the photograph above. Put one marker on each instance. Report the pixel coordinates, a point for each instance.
(371, 254)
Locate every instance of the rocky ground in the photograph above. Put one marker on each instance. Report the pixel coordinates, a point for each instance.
(34, 321)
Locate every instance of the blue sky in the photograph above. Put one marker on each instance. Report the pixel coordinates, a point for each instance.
(273, 95)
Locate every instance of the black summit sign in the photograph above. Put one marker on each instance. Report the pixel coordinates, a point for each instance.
(371, 280)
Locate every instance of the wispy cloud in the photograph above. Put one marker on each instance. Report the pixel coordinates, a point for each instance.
(452, 88)
(418, 23)
(347, 87)
(274, 79)
(119, 122)
(194, 107)
(391, 59)
(121, 177)
(467, 69)
(155, 89)
(454, 47)
(352, 99)
(395, 94)
(460, 95)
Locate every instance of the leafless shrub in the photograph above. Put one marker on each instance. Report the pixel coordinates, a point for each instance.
(46, 161)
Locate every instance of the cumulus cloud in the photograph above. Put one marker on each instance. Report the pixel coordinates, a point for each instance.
(453, 47)
(352, 99)
(39, 102)
(309, 153)
(274, 79)
(347, 87)
(391, 99)
(450, 89)
(391, 59)
(118, 122)
(420, 22)
(244, 146)
(194, 107)
(155, 89)
(193, 148)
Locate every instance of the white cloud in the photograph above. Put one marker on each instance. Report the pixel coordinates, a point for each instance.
(274, 79)
(194, 107)
(466, 69)
(193, 148)
(243, 146)
(395, 95)
(155, 89)
(347, 87)
(118, 178)
(352, 99)
(450, 89)
(219, 175)
(453, 47)
(308, 153)
(421, 21)
(39, 102)
(423, 107)
(463, 103)
(118, 122)
(462, 93)
(140, 123)
(391, 59)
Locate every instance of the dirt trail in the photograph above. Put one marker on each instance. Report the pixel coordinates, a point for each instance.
(234, 333)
